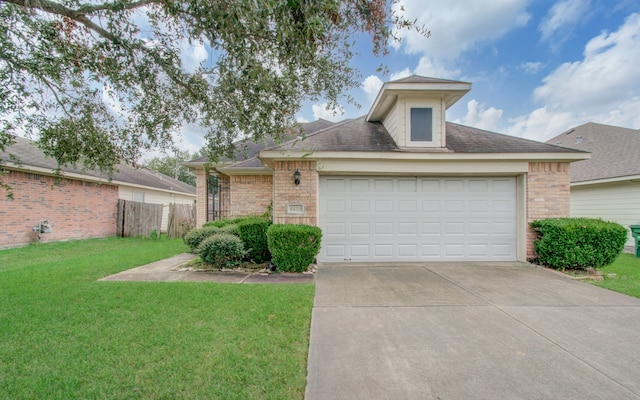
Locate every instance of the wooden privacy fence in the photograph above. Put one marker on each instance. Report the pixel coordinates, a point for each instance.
(138, 219)
(182, 218)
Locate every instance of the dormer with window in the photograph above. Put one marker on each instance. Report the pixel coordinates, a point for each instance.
(413, 109)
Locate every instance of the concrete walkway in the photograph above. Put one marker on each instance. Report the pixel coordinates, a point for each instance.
(169, 270)
(469, 331)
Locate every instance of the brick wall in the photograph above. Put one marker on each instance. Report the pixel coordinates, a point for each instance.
(250, 194)
(548, 195)
(202, 199)
(286, 192)
(75, 209)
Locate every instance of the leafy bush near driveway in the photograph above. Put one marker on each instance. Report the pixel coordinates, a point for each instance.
(222, 250)
(293, 247)
(578, 242)
(194, 237)
(253, 232)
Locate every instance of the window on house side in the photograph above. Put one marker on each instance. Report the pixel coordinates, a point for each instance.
(138, 196)
(421, 124)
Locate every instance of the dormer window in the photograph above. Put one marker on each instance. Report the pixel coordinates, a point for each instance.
(421, 124)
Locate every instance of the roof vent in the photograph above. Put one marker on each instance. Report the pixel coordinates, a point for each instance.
(559, 143)
(578, 139)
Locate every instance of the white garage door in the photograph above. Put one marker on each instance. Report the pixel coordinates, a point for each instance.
(417, 219)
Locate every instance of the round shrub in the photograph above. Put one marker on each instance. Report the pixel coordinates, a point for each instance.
(194, 237)
(253, 232)
(578, 242)
(293, 247)
(222, 250)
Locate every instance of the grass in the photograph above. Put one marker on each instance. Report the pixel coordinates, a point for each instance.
(63, 335)
(623, 275)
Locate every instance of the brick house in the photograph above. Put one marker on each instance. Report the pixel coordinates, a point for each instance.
(607, 185)
(81, 204)
(401, 183)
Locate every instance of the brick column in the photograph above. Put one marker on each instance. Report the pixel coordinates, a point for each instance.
(202, 196)
(286, 192)
(548, 195)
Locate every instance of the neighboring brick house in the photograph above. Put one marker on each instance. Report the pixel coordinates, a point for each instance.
(607, 185)
(402, 184)
(80, 204)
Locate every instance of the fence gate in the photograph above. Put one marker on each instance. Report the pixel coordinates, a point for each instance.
(138, 219)
(182, 218)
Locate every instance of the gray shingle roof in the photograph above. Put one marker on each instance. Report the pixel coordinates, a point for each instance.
(249, 149)
(465, 139)
(360, 135)
(614, 151)
(30, 155)
(349, 135)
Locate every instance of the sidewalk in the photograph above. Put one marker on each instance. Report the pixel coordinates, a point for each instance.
(169, 270)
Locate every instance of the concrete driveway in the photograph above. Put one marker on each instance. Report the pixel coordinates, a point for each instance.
(469, 331)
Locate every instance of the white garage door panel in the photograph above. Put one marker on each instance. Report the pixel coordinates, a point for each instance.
(414, 219)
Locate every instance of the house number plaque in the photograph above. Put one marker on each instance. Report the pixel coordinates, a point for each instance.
(295, 208)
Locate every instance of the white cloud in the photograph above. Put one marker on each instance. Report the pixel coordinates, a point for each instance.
(542, 124)
(371, 86)
(459, 25)
(400, 74)
(480, 117)
(192, 55)
(427, 67)
(562, 18)
(531, 67)
(602, 87)
(603, 78)
(302, 120)
(321, 111)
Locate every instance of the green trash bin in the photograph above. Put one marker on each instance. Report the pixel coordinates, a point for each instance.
(635, 232)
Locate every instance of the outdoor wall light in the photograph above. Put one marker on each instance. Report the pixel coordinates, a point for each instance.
(296, 177)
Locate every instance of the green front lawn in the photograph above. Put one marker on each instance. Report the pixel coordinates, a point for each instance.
(63, 335)
(623, 275)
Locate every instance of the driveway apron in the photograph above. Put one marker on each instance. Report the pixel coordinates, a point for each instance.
(469, 331)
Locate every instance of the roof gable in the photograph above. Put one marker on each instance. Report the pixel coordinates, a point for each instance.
(614, 151)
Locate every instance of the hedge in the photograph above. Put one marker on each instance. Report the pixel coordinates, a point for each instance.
(253, 232)
(293, 247)
(578, 243)
(221, 223)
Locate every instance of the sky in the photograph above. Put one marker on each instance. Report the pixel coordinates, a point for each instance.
(537, 67)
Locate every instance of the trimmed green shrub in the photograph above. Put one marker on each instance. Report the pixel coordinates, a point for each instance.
(231, 229)
(221, 223)
(194, 237)
(222, 250)
(293, 247)
(578, 242)
(253, 233)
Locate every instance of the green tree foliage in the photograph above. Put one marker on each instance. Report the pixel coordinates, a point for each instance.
(100, 82)
(171, 166)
